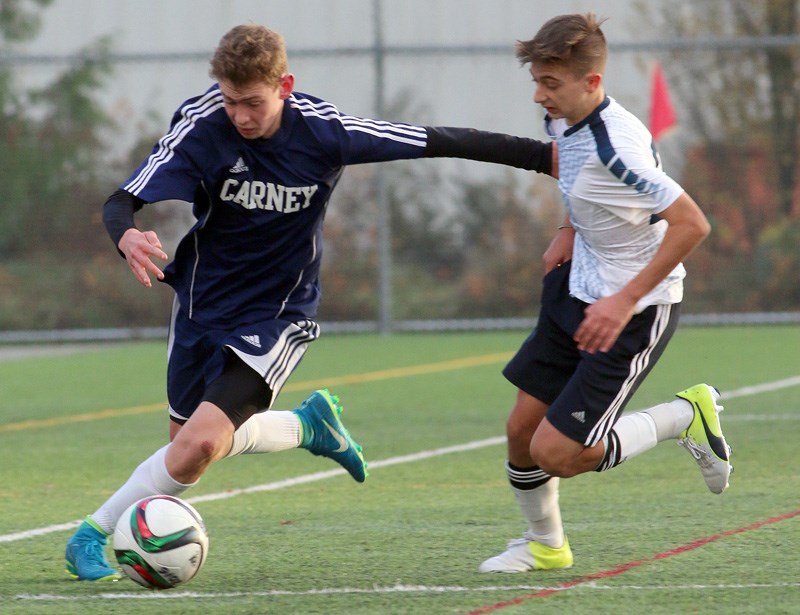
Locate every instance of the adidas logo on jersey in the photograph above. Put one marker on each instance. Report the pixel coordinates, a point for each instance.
(579, 416)
(239, 167)
(253, 340)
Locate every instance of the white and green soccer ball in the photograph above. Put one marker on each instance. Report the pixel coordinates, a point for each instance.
(160, 542)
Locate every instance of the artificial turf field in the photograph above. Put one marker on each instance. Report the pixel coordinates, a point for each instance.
(291, 533)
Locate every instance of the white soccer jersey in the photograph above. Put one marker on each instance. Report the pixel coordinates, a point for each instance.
(613, 187)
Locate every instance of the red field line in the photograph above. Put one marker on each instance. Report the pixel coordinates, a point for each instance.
(617, 570)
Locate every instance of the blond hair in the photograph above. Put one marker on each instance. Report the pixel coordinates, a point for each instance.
(248, 54)
(575, 42)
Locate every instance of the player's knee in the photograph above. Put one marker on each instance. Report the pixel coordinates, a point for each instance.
(554, 463)
(192, 451)
(556, 468)
(207, 450)
(187, 460)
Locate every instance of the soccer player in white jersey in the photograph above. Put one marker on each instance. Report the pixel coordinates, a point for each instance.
(258, 161)
(610, 301)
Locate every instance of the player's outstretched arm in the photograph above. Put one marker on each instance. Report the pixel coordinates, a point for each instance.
(530, 154)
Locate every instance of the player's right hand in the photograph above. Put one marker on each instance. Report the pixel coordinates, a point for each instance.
(139, 248)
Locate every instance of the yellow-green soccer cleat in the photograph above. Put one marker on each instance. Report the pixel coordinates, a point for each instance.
(325, 434)
(703, 438)
(85, 557)
(524, 555)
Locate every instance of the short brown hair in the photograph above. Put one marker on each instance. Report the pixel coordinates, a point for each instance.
(573, 41)
(249, 53)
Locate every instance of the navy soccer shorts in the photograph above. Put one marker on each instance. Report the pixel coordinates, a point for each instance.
(586, 392)
(197, 355)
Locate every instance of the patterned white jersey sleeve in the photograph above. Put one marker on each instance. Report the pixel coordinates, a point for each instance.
(613, 187)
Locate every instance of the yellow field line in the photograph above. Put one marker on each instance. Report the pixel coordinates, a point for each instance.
(305, 385)
(401, 372)
(80, 418)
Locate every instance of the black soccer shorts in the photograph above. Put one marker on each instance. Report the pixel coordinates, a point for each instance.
(586, 392)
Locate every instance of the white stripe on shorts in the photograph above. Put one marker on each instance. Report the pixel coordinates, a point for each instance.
(639, 364)
(278, 364)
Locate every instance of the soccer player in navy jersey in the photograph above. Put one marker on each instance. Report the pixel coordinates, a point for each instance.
(610, 301)
(258, 161)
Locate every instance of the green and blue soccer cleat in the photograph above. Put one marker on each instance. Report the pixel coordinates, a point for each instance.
(86, 560)
(324, 433)
(704, 439)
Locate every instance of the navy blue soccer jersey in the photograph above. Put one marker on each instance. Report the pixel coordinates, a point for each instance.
(254, 252)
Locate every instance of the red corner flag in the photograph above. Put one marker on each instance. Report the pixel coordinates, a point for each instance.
(662, 115)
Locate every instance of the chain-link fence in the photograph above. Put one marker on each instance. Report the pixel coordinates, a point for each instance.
(411, 245)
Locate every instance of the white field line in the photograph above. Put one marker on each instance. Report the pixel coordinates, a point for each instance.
(436, 452)
(767, 387)
(395, 589)
(281, 484)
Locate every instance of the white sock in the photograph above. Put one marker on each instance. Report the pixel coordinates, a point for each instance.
(540, 508)
(636, 433)
(267, 432)
(149, 478)
(671, 418)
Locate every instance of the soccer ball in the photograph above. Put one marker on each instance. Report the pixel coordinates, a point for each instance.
(160, 542)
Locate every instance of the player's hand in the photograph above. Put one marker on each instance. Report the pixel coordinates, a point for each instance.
(139, 248)
(602, 323)
(560, 249)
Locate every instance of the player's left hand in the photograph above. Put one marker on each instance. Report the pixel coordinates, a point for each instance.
(560, 249)
(603, 321)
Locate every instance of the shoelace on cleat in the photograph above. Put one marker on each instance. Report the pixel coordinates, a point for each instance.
(517, 542)
(703, 457)
(94, 552)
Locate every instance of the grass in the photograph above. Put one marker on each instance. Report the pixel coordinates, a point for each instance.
(409, 540)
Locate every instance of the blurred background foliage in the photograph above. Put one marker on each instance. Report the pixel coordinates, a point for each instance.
(479, 259)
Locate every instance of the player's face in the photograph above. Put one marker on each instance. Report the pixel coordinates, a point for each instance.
(563, 95)
(256, 109)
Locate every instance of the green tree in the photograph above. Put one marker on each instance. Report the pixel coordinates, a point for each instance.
(57, 266)
(20, 20)
(52, 153)
(735, 80)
